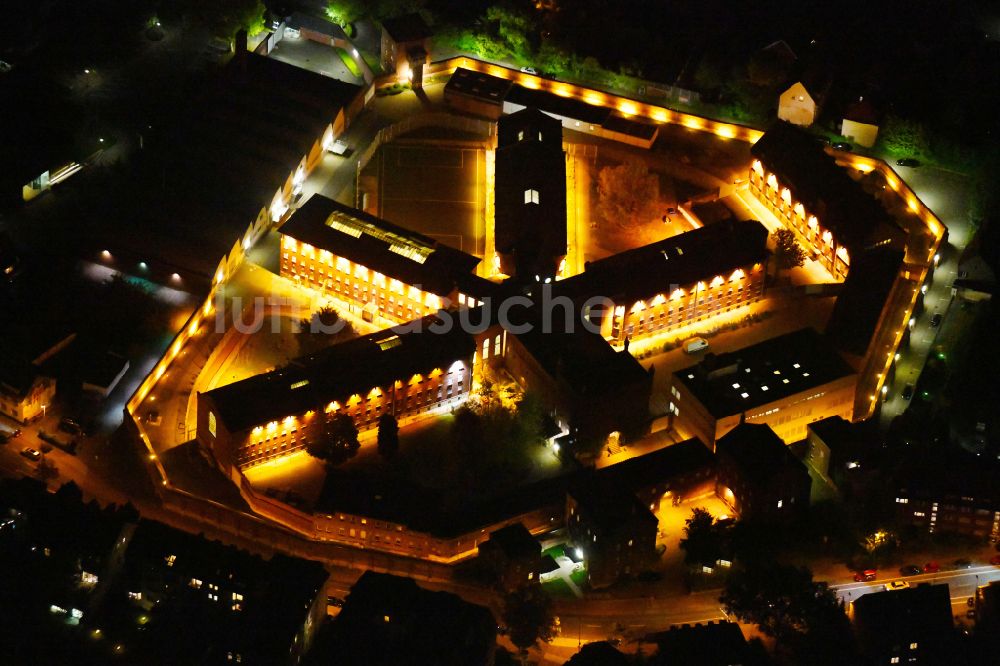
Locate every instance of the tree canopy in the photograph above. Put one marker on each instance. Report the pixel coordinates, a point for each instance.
(704, 537)
(338, 441)
(388, 435)
(529, 617)
(787, 251)
(629, 195)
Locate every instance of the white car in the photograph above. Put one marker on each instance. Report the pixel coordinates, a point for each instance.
(529, 70)
(897, 585)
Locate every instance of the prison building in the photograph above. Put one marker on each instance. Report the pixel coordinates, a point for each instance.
(383, 273)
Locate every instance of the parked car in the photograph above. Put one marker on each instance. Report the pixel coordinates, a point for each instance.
(695, 345)
(911, 570)
(866, 575)
(31, 454)
(908, 162)
(962, 563)
(529, 70)
(70, 425)
(932, 567)
(841, 145)
(907, 391)
(995, 560)
(897, 585)
(936, 320)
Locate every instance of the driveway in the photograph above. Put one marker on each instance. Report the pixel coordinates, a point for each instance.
(314, 57)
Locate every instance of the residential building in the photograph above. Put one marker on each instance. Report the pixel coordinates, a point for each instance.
(909, 626)
(209, 602)
(613, 529)
(406, 47)
(103, 374)
(678, 281)
(401, 372)
(759, 476)
(837, 448)
(710, 644)
(512, 556)
(786, 382)
(25, 391)
(389, 619)
(860, 123)
(836, 220)
(530, 193)
(953, 492)
(381, 272)
(796, 105)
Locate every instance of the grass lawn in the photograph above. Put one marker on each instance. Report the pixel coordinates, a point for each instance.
(373, 62)
(579, 577)
(555, 551)
(349, 62)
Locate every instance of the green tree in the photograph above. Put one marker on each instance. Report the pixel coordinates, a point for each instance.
(515, 27)
(702, 542)
(904, 138)
(338, 441)
(802, 615)
(388, 435)
(345, 12)
(528, 614)
(629, 195)
(227, 17)
(787, 251)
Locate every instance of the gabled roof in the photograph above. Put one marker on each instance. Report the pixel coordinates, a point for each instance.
(856, 219)
(379, 245)
(658, 268)
(861, 111)
(479, 85)
(340, 371)
(758, 453)
(641, 472)
(515, 541)
(859, 305)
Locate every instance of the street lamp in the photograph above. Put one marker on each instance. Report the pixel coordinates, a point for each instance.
(937, 258)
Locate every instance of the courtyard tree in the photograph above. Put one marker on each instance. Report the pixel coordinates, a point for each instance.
(338, 441)
(388, 435)
(529, 617)
(702, 542)
(629, 195)
(515, 27)
(788, 253)
(227, 17)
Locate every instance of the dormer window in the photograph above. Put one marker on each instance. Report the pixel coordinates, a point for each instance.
(531, 196)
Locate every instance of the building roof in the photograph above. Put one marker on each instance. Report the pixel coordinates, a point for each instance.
(379, 245)
(856, 219)
(340, 371)
(859, 306)
(667, 463)
(861, 111)
(950, 475)
(16, 377)
(104, 370)
(769, 371)
(300, 20)
(581, 359)
(893, 618)
(407, 28)
(552, 103)
(658, 268)
(710, 644)
(515, 541)
(479, 85)
(757, 451)
(389, 619)
(608, 507)
(277, 592)
(630, 126)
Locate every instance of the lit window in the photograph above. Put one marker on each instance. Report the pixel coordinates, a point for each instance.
(894, 660)
(795, 365)
(531, 575)
(781, 503)
(520, 137)
(763, 388)
(170, 559)
(195, 583)
(135, 596)
(88, 578)
(385, 618)
(531, 196)
(744, 395)
(736, 386)
(913, 646)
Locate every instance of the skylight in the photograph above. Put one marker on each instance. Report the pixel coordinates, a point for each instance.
(345, 228)
(304, 382)
(386, 344)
